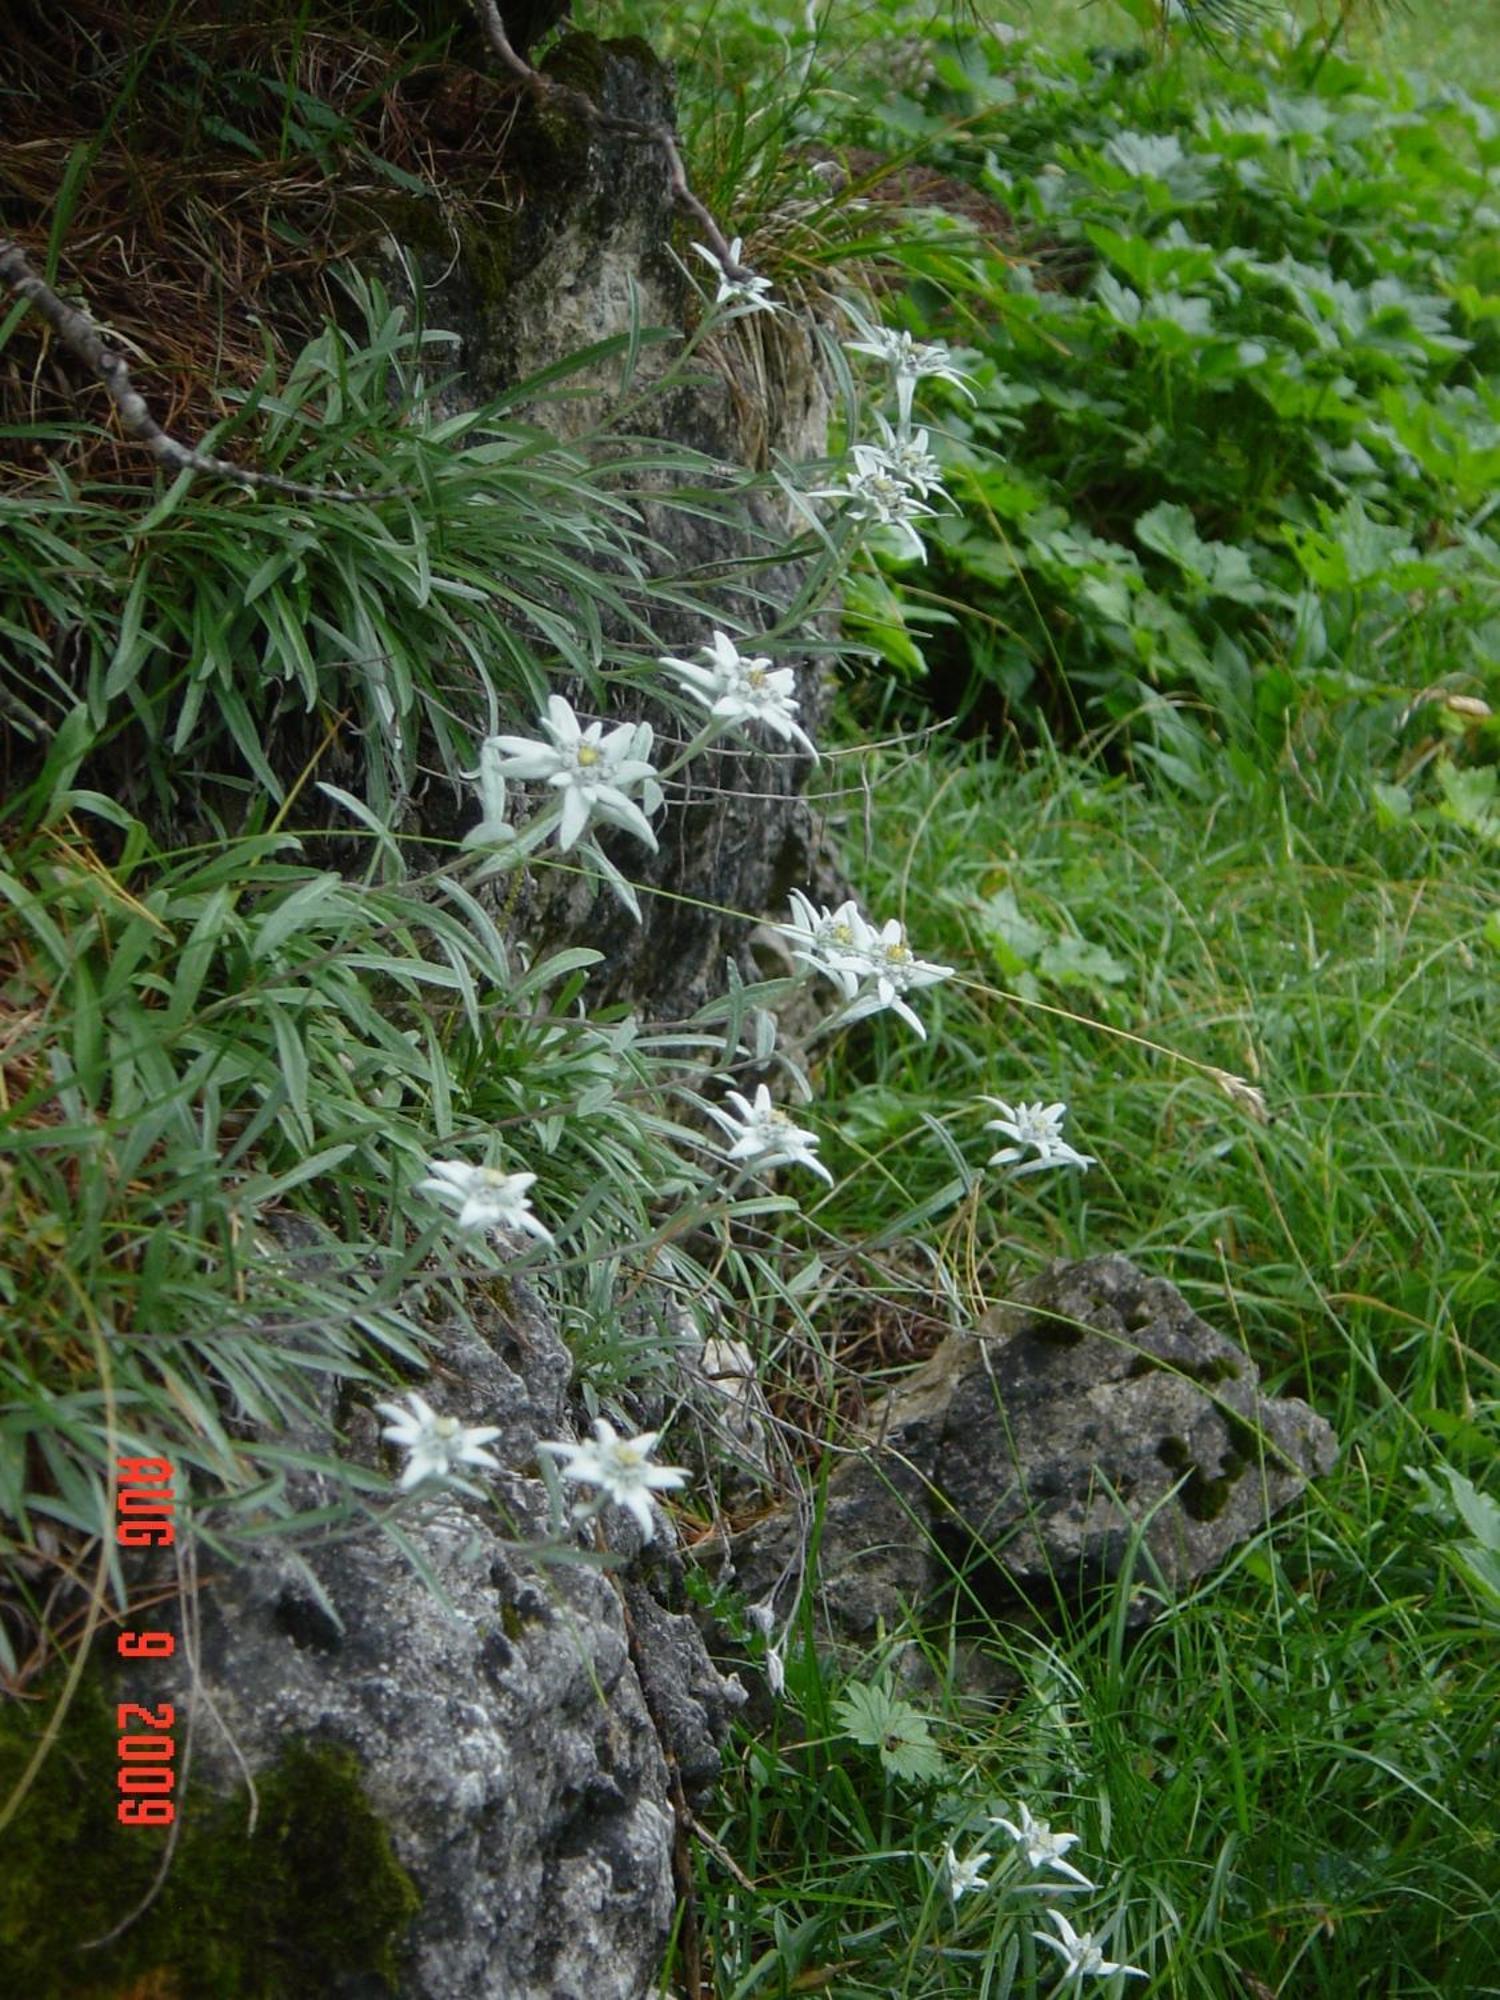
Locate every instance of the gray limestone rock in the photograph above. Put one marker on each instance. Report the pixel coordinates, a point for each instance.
(1029, 1457)
(495, 1705)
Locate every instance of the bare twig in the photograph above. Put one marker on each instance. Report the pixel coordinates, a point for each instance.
(660, 135)
(83, 340)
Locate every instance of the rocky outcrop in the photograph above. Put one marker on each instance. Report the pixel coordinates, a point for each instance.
(588, 257)
(1096, 1423)
(519, 1729)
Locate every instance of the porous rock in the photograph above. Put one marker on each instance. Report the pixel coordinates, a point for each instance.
(495, 1707)
(1097, 1415)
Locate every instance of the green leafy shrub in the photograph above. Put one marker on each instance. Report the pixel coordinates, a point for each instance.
(1237, 426)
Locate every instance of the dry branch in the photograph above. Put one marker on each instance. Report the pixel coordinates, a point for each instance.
(83, 340)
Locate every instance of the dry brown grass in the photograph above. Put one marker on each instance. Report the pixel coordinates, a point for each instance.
(201, 253)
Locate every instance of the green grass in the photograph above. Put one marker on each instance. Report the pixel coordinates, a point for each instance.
(1290, 1776)
(1285, 1785)
(1452, 41)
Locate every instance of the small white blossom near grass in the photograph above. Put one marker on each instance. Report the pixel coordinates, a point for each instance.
(486, 1197)
(593, 772)
(1082, 1953)
(873, 968)
(436, 1446)
(1042, 1847)
(737, 689)
(891, 970)
(775, 1664)
(906, 457)
(910, 361)
(832, 942)
(964, 1876)
(621, 1468)
(764, 1136)
(762, 1617)
(877, 491)
(745, 291)
(1033, 1128)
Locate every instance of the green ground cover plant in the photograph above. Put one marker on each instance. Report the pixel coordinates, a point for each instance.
(1284, 1779)
(1235, 398)
(1223, 517)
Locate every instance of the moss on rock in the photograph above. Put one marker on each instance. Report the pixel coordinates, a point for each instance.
(308, 1900)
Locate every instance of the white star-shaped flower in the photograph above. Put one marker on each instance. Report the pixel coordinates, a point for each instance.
(877, 490)
(1082, 1952)
(836, 943)
(743, 289)
(873, 969)
(621, 1468)
(764, 1136)
(436, 1445)
(907, 459)
(1044, 1848)
(737, 689)
(910, 361)
(965, 1875)
(487, 1198)
(594, 772)
(891, 970)
(1035, 1126)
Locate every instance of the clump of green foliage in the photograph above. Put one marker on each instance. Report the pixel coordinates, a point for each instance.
(240, 1019)
(1230, 465)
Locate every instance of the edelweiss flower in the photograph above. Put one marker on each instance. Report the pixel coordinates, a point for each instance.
(1083, 1953)
(621, 1469)
(765, 1137)
(746, 290)
(776, 1669)
(908, 460)
(763, 1617)
(909, 361)
(1044, 1848)
(595, 773)
(877, 490)
(487, 1198)
(890, 971)
(736, 689)
(834, 942)
(1038, 1125)
(436, 1445)
(872, 968)
(965, 1875)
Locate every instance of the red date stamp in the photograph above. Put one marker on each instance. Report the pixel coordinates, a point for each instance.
(144, 1504)
(147, 1748)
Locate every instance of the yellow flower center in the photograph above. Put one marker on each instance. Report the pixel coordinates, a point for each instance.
(587, 755)
(447, 1427)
